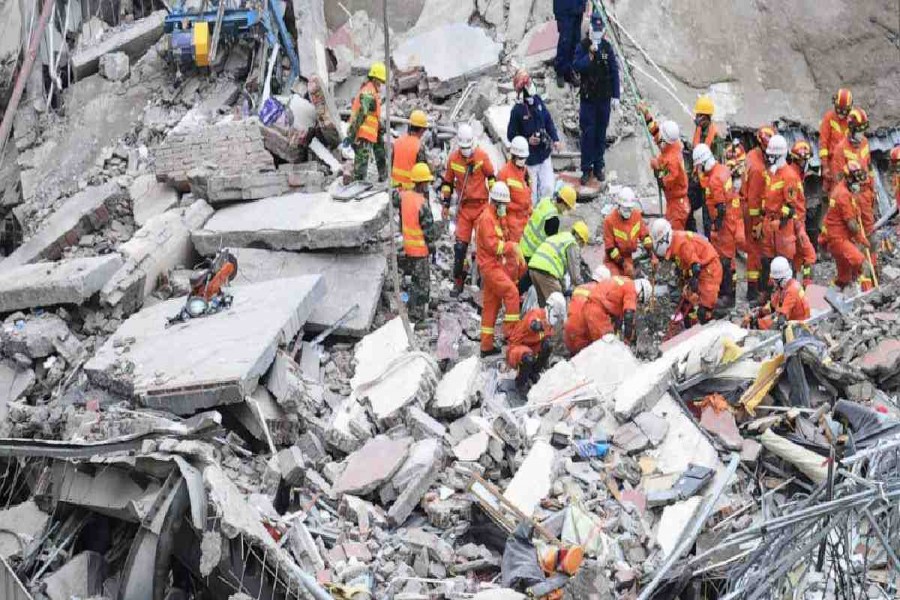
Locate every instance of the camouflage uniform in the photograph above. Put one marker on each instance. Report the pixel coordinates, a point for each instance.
(364, 149)
(419, 268)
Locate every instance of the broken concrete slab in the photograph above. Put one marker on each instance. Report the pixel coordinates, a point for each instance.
(532, 480)
(225, 188)
(14, 382)
(456, 391)
(312, 34)
(150, 198)
(286, 384)
(295, 222)
(538, 46)
(606, 364)
(69, 281)
(449, 51)
(39, 336)
(422, 425)
(134, 41)
(560, 378)
(82, 213)
(883, 359)
(684, 443)
(212, 360)
(642, 388)
(81, 577)
(375, 351)
(653, 426)
(721, 424)
(674, 520)
(517, 19)
(349, 427)
(407, 380)
(497, 118)
(291, 465)
(373, 464)
(472, 448)
(350, 279)
(19, 526)
(114, 66)
(630, 438)
(415, 477)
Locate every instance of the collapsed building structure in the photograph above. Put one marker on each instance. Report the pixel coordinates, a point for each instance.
(299, 443)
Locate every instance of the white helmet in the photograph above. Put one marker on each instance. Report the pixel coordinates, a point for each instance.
(626, 201)
(781, 270)
(776, 152)
(556, 309)
(519, 147)
(670, 132)
(703, 157)
(601, 273)
(465, 137)
(661, 234)
(500, 193)
(644, 289)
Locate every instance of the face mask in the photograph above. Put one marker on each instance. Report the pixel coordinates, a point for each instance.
(856, 137)
(467, 152)
(596, 39)
(529, 100)
(519, 162)
(736, 183)
(625, 213)
(854, 187)
(501, 210)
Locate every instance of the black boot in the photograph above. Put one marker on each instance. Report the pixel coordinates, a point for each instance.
(752, 292)
(459, 274)
(763, 283)
(523, 378)
(726, 289)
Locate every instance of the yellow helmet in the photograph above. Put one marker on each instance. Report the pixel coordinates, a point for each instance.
(704, 106)
(580, 230)
(418, 118)
(378, 71)
(420, 173)
(568, 195)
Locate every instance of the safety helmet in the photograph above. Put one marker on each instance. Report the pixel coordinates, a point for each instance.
(854, 172)
(895, 155)
(626, 201)
(661, 234)
(801, 151)
(500, 193)
(776, 152)
(670, 132)
(418, 118)
(465, 137)
(378, 71)
(567, 195)
(764, 134)
(519, 147)
(703, 156)
(601, 273)
(843, 101)
(644, 289)
(858, 120)
(580, 230)
(556, 309)
(781, 270)
(704, 106)
(735, 153)
(521, 80)
(420, 173)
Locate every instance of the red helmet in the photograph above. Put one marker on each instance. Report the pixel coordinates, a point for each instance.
(858, 120)
(853, 171)
(895, 155)
(763, 135)
(521, 80)
(801, 150)
(843, 101)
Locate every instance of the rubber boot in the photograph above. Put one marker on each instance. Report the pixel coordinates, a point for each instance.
(459, 273)
(764, 272)
(726, 294)
(752, 293)
(543, 358)
(526, 368)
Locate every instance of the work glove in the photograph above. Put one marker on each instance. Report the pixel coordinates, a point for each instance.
(720, 216)
(615, 103)
(537, 326)
(628, 329)
(787, 212)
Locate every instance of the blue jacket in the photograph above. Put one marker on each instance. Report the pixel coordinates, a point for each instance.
(600, 77)
(568, 7)
(528, 119)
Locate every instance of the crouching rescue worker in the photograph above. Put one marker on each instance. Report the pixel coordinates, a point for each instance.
(419, 236)
(623, 231)
(575, 323)
(558, 256)
(610, 308)
(543, 223)
(699, 265)
(530, 340)
(843, 230)
(788, 302)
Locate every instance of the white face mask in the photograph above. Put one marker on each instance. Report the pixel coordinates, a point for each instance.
(529, 100)
(519, 162)
(467, 152)
(736, 182)
(625, 213)
(501, 210)
(855, 187)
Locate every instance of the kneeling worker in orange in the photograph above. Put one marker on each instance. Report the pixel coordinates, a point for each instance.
(530, 340)
(843, 229)
(518, 180)
(623, 231)
(699, 265)
(494, 254)
(575, 334)
(610, 309)
(788, 301)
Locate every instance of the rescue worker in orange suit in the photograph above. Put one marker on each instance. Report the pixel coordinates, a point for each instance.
(530, 340)
(575, 332)
(705, 132)
(497, 258)
(611, 308)
(471, 174)
(832, 131)
(518, 180)
(753, 192)
(408, 151)
(724, 207)
(798, 159)
(419, 236)
(843, 230)
(788, 303)
(623, 231)
(698, 263)
(856, 147)
(783, 192)
(669, 169)
(366, 132)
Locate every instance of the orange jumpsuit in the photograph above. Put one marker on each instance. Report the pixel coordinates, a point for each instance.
(843, 208)
(789, 302)
(779, 231)
(523, 340)
(473, 199)
(806, 252)
(844, 153)
(620, 240)
(496, 259)
(605, 309)
(575, 333)
(669, 166)
(832, 131)
(689, 248)
(720, 194)
(519, 210)
(753, 191)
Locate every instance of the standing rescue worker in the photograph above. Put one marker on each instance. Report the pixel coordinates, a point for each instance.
(497, 259)
(752, 194)
(558, 256)
(611, 307)
(783, 192)
(623, 230)
(669, 170)
(705, 132)
(832, 131)
(788, 303)
(531, 120)
(408, 150)
(530, 340)
(366, 133)
(698, 263)
(842, 230)
(596, 62)
(798, 159)
(518, 180)
(419, 236)
(724, 207)
(568, 15)
(471, 174)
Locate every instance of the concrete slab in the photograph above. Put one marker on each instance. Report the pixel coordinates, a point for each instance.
(473, 447)
(607, 364)
(557, 380)
(415, 477)
(294, 222)
(684, 443)
(674, 520)
(409, 380)
(497, 119)
(133, 41)
(517, 19)
(71, 281)
(81, 577)
(349, 279)
(14, 382)
(208, 361)
(375, 351)
(643, 388)
(449, 51)
(883, 359)
(538, 46)
(532, 481)
(372, 465)
(19, 526)
(150, 198)
(454, 394)
(721, 424)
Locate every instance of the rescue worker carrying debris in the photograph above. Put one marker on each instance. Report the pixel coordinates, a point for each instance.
(788, 302)
(471, 174)
(699, 264)
(842, 230)
(669, 170)
(419, 236)
(623, 230)
(798, 158)
(518, 180)
(705, 132)
(501, 265)
(783, 194)
(408, 150)
(558, 256)
(724, 207)
(752, 193)
(530, 340)
(531, 120)
(610, 308)
(832, 131)
(366, 133)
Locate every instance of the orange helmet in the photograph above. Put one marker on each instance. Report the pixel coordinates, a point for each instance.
(521, 80)
(801, 150)
(858, 120)
(763, 135)
(853, 171)
(843, 101)
(895, 155)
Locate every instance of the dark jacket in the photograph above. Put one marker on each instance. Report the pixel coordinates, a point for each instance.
(568, 7)
(600, 76)
(528, 119)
